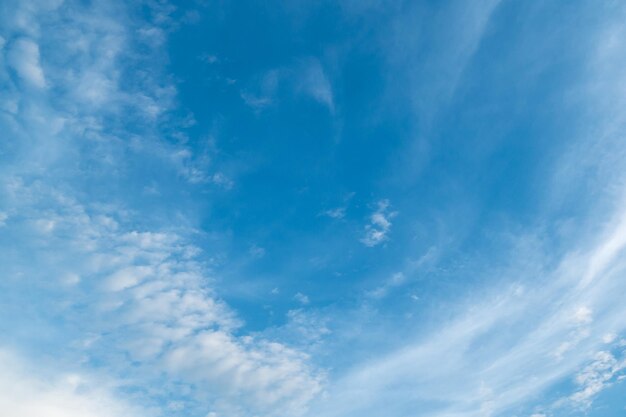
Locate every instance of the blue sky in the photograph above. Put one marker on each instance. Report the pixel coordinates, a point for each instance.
(298, 208)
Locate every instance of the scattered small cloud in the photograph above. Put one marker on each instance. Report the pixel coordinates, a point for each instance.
(376, 232)
(301, 298)
(222, 180)
(152, 189)
(152, 35)
(256, 102)
(595, 377)
(209, 58)
(256, 251)
(340, 211)
(336, 213)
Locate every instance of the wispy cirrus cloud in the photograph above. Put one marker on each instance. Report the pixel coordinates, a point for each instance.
(505, 372)
(117, 256)
(305, 78)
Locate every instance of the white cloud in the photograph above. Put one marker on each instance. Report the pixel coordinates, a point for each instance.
(194, 167)
(312, 81)
(301, 298)
(222, 180)
(127, 277)
(153, 305)
(583, 315)
(339, 212)
(28, 391)
(609, 338)
(144, 295)
(595, 377)
(508, 339)
(395, 280)
(554, 315)
(45, 225)
(304, 78)
(256, 102)
(71, 278)
(380, 224)
(307, 327)
(336, 213)
(256, 251)
(273, 376)
(23, 56)
(164, 312)
(431, 86)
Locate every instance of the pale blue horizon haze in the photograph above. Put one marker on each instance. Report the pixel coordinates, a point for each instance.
(312, 208)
